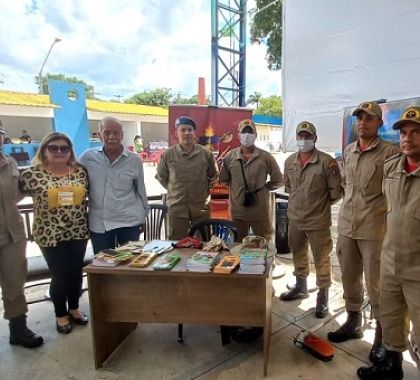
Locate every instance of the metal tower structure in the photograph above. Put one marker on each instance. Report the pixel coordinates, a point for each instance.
(228, 48)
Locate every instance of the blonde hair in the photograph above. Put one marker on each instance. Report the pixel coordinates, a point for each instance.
(40, 158)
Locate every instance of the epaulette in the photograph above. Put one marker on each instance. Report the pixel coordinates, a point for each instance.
(394, 157)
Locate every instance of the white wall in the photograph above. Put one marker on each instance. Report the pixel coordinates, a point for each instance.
(338, 53)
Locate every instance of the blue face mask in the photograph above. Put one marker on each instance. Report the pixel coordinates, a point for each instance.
(305, 146)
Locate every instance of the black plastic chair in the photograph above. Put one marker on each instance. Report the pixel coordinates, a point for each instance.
(227, 231)
(154, 222)
(224, 229)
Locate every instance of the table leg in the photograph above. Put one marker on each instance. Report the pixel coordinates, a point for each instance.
(267, 325)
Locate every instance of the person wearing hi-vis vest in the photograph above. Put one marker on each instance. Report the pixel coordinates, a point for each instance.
(312, 179)
(58, 186)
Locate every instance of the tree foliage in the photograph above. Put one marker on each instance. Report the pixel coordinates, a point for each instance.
(255, 98)
(90, 90)
(160, 97)
(266, 27)
(270, 106)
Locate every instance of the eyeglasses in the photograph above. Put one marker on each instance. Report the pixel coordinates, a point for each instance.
(56, 148)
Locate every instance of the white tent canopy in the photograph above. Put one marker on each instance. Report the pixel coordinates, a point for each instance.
(338, 53)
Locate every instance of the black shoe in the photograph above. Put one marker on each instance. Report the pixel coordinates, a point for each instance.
(389, 369)
(321, 309)
(66, 329)
(351, 329)
(21, 335)
(247, 334)
(377, 352)
(299, 291)
(82, 320)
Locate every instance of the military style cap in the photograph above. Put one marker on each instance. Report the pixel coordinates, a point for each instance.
(1, 128)
(185, 120)
(410, 115)
(306, 126)
(247, 123)
(371, 108)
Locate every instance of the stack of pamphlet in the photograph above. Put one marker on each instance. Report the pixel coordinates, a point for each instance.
(227, 265)
(166, 262)
(253, 260)
(202, 261)
(143, 260)
(111, 258)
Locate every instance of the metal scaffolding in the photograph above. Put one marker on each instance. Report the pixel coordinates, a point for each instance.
(228, 46)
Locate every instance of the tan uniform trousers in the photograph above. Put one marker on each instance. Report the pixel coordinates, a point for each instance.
(13, 270)
(399, 302)
(321, 246)
(178, 228)
(259, 227)
(358, 256)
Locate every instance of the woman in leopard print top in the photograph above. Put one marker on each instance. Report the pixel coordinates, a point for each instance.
(58, 186)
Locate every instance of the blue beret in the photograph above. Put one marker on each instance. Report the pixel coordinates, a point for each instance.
(185, 120)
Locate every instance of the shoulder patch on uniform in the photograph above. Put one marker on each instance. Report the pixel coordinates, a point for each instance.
(394, 157)
(332, 167)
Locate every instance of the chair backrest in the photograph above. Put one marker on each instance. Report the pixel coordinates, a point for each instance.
(224, 229)
(22, 158)
(154, 222)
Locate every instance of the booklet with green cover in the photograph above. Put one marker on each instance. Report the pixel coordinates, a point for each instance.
(166, 262)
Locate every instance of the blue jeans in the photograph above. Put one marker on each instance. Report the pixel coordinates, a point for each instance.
(113, 238)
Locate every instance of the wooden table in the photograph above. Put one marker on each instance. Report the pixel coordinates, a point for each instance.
(122, 296)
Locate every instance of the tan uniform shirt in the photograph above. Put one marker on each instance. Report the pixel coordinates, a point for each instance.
(188, 178)
(312, 190)
(401, 247)
(11, 223)
(362, 214)
(260, 165)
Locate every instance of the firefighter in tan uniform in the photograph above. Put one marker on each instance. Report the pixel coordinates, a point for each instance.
(312, 178)
(13, 264)
(400, 261)
(247, 168)
(187, 170)
(361, 224)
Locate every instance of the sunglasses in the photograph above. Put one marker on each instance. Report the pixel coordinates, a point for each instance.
(56, 148)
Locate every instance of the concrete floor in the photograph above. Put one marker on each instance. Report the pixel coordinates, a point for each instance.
(152, 351)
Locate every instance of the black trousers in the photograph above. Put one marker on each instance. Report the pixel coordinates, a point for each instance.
(65, 262)
(113, 238)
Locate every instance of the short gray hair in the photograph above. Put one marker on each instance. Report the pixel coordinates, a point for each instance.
(109, 119)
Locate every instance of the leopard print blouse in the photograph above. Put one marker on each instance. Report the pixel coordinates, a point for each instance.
(52, 222)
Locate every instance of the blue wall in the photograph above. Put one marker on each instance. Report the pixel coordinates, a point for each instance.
(71, 116)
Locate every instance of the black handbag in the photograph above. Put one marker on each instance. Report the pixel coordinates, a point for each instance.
(250, 197)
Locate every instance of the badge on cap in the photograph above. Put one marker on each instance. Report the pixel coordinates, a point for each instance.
(411, 114)
(304, 125)
(365, 105)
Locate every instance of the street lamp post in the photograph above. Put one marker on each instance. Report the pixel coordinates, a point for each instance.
(41, 90)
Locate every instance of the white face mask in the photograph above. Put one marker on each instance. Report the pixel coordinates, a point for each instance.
(247, 139)
(305, 146)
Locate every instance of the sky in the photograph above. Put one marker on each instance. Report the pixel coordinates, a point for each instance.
(122, 47)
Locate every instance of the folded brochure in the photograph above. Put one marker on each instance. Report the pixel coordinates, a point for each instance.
(166, 262)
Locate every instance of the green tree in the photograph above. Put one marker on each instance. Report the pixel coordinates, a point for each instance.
(191, 100)
(161, 97)
(90, 90)
(266, 27)
(255, 98)
(270, 106)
